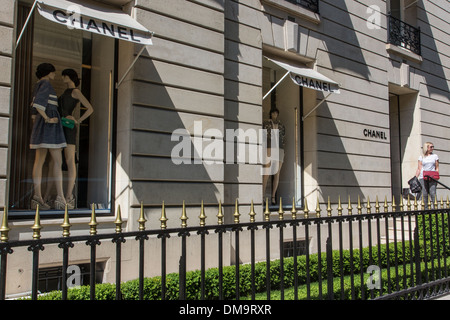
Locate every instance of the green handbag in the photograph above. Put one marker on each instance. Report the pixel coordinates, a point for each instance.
(68, 123)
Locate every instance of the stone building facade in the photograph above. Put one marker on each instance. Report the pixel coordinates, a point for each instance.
(159, 129)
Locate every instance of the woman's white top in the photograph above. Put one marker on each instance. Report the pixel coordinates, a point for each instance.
(428, 163)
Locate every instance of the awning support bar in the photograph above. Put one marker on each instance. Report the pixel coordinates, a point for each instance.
(131, 66)
(26, 23)
(317, 105)
(276, 85)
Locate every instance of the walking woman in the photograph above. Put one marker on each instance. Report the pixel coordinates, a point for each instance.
(428, 162)
(46, 136)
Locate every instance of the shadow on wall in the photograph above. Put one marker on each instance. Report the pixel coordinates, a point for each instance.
(436, 80)
(341, 40)
(160, 110)
(338, 164)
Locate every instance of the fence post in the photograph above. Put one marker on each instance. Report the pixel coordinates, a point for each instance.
(417, 258)
(330, 288)
(65, 245)
(35, 248)
(141, 238)
(182, 263)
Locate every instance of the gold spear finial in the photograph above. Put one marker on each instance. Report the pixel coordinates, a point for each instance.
(339, 208)
(359, 207)
(408, 203)
(184, 217)
(394, 206)
(66, 225)
(318, 209)
(163, 218)
(377, 205)
(118, 221)
(401, 205)
(252, 213)
(37, 225)
(142, 219)
(294, 209)
(280, 210)
(93, 223)
(329, 208)
(236, 214)
(369, 206)
(386, 208)
(220, 214)
(349, 208)
(4, 229)
(202, 216)
(306, 210)
(267, 212)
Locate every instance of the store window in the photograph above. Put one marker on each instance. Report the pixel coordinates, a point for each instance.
(292, 108)
(282, 111)
(91, 56)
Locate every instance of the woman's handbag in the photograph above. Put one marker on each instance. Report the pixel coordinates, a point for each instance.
(414, 185)
(68, 123)
(434, 175)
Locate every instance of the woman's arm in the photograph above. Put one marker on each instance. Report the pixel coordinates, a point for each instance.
(40, 100)
(419, 168)
(46, 117)
(85, 102)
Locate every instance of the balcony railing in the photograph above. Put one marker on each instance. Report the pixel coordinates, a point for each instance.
(404, 35)
(312, 5)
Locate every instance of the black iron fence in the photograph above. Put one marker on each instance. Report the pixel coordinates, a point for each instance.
(404, 35)
(374, 251)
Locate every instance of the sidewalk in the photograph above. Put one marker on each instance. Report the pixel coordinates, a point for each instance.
(445, 297)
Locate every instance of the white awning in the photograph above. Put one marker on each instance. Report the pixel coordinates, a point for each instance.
(95, 17)
(307, 78)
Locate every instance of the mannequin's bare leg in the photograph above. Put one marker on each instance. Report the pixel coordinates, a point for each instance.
(57, 173)
(39, 161)
(50, 181)
(265, 179)
(276, 179)
(69, 153)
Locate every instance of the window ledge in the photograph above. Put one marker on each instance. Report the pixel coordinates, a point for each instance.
(405, 53)
(293, 9)
(57, 221)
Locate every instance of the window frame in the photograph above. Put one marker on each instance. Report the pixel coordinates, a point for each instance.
(26, 213)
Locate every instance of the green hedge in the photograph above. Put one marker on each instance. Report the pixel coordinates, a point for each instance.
(438, 227)
(152, 286)
(394, 280)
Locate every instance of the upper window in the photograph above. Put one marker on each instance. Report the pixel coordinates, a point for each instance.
(402, 30)
(312, 5)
